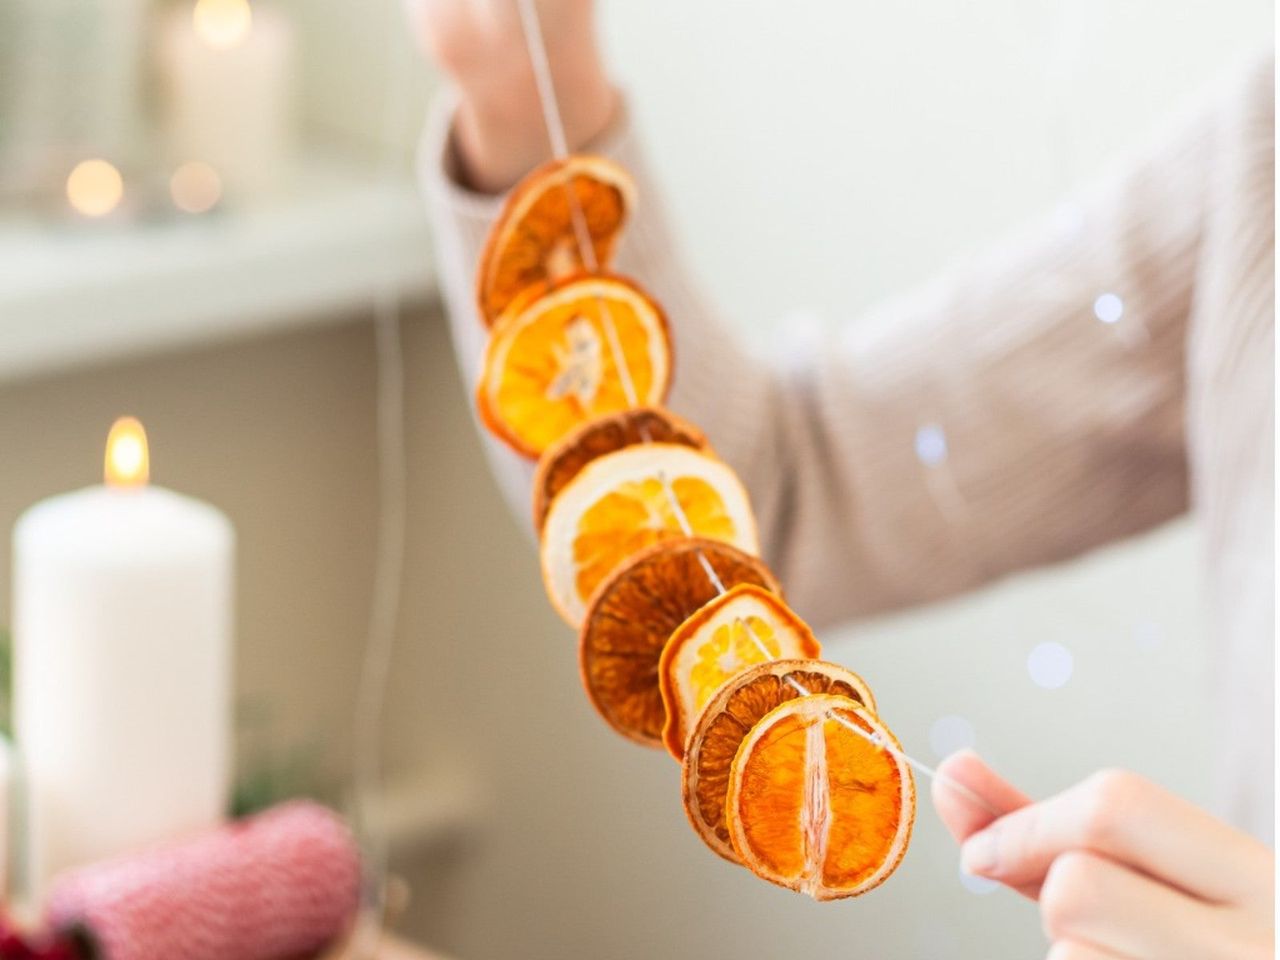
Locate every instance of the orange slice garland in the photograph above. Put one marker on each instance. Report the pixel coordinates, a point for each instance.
(649, 546)
(629, 499)
(727, 719)
(730, 634)
(534, 241)
(565, 459)
(816, 807)
(549, 365)
(634, 612)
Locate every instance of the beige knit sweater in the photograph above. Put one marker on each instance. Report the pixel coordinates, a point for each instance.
(1064, 433)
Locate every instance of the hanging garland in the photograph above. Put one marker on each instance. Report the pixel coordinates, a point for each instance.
(649, 548)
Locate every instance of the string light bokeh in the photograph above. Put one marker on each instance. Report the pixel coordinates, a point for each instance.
(195, 187)
(1108, 308)
(222, 24)
(931, 445)
(1050, 665)
(94, 188)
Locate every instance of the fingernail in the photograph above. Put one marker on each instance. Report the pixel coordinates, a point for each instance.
(978, 853)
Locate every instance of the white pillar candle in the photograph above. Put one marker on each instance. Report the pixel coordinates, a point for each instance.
(122, 601)
(6, 814)
(226, 71)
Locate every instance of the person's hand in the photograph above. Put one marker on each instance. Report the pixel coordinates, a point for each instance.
(1122, 869)
(499, 130)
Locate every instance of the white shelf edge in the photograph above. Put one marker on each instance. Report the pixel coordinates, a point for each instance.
(75, 297)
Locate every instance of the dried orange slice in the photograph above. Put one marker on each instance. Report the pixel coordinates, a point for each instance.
(813, 805)
(535, 240)
(625, 501)
(566, 458)
(550, 364)
(729, 716)
(633, 613)
(732, 633)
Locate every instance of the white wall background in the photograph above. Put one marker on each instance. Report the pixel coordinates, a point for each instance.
(819, 155)
(825, 153)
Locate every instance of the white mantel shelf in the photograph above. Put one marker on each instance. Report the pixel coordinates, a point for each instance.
(77, 293)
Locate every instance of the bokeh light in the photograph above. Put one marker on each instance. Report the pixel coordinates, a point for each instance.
(94, 188)
(950, 733)
(1050, 665)
(931, 445)
(977, 885)
(195, 187)
(1108, 308)
(222, 24)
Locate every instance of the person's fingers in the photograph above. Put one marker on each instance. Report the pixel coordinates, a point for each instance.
(1122, 816)
(1091, 900)
(966, 792)
(1074, 950)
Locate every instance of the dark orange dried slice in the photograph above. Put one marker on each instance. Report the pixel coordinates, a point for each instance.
(634, 612)
(534, 241)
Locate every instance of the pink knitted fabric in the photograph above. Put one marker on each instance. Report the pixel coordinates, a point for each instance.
(277, 885)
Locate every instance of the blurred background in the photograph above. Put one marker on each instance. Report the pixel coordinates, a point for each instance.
(200, 240)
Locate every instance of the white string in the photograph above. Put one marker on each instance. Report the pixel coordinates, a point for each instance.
(560, 148)
(542, 77)
(383, 615)
(873, 738)
(682, 518)
(369, 818)
(554, 124)
(619, 358)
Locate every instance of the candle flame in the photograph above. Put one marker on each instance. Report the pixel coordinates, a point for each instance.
(128, 461)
